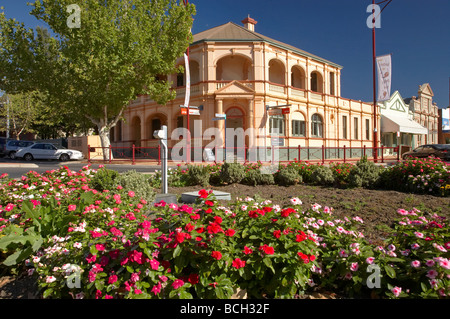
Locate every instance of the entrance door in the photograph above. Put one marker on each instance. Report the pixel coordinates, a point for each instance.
(235, 137)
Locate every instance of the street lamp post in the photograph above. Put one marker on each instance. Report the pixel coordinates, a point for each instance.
(375, 129)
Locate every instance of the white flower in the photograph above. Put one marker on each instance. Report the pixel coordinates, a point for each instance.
(50, 279)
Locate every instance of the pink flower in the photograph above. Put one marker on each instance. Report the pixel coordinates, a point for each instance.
(112, 279)
(396, 291)
(177, 284)
(131, 194)
(50, 279)
(444, 263)
(154, 264)
(157, 288)
(71, 208)
(415, 263)
(432, 273)
(354, 266)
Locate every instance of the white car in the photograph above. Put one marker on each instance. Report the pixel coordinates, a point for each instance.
(48, 151)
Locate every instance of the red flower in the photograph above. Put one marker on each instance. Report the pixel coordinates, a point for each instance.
(193, 279)
(303, 257)
(180, 237)
(238, 263)
(203, 193)
(247, 250)
(214, 228)
(230, 232)
(267, 209)
(189, 227)
(277, 233)
(209, 203)
(301, 237)
(287, 211)
(218, 219)
(267, 249)
(253, 214)
(216, 254)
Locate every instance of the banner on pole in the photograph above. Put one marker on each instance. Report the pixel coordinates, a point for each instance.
(188, 81)
(384, 67)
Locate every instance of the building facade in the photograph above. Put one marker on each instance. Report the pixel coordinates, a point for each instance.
(240, 73)
(397, 124)
(425, 113)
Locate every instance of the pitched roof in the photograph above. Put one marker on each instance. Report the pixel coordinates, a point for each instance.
(231, 32)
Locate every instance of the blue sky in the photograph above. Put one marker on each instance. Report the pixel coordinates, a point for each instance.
(415, 32)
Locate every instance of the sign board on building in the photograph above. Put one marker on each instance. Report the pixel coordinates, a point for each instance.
(277, 141)
(446, 120)
(273, 112)
(286, 110)
(184, 111)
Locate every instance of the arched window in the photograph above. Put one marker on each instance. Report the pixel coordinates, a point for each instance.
(298, 77)
(316, 126)
(276, 71)
(316, 82)
(156, 125)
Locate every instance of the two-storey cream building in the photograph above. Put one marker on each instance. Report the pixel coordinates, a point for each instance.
(243, 74)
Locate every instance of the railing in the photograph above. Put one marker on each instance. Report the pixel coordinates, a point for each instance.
(272, 154)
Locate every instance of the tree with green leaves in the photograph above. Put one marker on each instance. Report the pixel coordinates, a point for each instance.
(102, 54)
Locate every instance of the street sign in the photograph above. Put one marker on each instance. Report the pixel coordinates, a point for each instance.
(274, 112)
(286, 110)
(221, 115)
(184, 111)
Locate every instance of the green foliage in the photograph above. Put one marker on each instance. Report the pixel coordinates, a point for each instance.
(287, 175)
(255, 177)
(95, 70)
(198, 175)
(232, 173)
(104, 179)
(322, 175)
(364, 174)
(137, 183)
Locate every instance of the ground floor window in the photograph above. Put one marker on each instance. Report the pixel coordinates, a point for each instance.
(298, 128)
(316, 126)
(276, 125)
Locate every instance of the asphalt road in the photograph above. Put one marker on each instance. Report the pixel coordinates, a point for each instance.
(17, 168)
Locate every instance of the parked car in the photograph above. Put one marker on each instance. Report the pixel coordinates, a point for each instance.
(13, 145)
(441, 151)
(48, 151)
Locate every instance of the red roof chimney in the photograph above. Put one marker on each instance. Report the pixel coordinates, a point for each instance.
(249, 23)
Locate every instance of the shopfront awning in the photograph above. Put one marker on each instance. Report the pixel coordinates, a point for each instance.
(390, 123)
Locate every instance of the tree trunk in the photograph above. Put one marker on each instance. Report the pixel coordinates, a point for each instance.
(103, 131)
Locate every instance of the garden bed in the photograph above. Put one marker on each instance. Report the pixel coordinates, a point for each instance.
(376, 207)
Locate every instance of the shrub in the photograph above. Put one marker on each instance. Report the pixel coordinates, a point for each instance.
(198, 175)
(232, 173)
(322, 175)
(417, 175)
(341, 172)
(132, 181)
(104, 179)
(255, 177)
(364, 174)
(287, 175)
